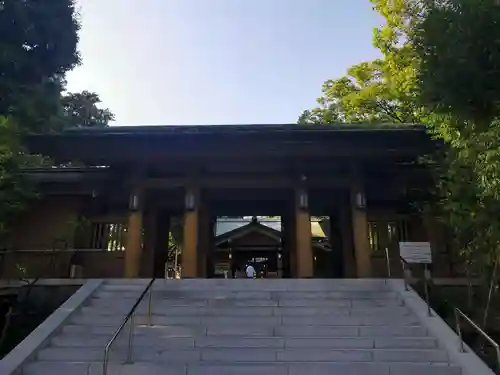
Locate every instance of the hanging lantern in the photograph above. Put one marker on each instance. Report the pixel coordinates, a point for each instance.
(360, 200)
(303, 201)
(134, 202)
(190, 201)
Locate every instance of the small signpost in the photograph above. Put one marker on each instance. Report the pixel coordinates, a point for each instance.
(418, 253)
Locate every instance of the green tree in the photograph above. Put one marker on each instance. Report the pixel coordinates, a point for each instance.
(457, 44)
(81, 110)
(439, 67)
(379, 91)
(367, 94)
(38, 45)
(15, 192)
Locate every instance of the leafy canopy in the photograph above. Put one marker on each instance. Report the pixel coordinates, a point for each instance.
(440, 67)
(38, 47)
(382, 90)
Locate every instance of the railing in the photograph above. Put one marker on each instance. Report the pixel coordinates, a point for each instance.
(458, 314)
(388, 263)
(130, 317)
(405, 268)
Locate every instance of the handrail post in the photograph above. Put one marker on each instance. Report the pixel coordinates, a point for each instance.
(459, 330)
(403, 268)
(426, 289)
(150, 302)
(130, 338)
(105, 362)
(388, 263)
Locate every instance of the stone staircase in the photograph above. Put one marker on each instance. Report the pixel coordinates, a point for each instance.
(247, 327)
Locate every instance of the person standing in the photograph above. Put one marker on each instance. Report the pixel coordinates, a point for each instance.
(250, 271)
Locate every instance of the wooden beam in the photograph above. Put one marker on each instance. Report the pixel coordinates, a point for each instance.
(242, 181)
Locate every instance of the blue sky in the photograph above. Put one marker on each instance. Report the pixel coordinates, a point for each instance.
(176, 62)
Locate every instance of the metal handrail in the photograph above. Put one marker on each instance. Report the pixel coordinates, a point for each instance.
(459, 313)
(404, 263)
(129, 317)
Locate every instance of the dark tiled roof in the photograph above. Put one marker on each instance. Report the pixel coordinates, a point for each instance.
(251, 128)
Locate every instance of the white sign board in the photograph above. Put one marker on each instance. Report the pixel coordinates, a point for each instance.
(416, 252)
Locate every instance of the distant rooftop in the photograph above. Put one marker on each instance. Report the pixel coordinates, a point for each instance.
(226, 225)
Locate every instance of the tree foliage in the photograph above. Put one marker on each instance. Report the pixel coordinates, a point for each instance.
(39, 46)
(440, 66)
(458, 43)
(378, 91)
(81, 110)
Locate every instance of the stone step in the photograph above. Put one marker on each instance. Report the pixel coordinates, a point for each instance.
(111, 301)
(165, 310)
(251, 287)
(342, 331)
(94, 368)
(258, 284)
(234, 355)
(160, 342)
(214, 294)
(279, 331)
(272, 321)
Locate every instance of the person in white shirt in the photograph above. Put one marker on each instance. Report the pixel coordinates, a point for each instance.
(250, 271)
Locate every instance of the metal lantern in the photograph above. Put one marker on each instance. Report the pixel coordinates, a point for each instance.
(190, 201)
(360, 200)
(303, 200)
(134, 202)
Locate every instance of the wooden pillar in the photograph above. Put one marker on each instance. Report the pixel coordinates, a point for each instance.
(211, 247)
(360, 232)
(190, 237)
(347, 238)
(161, 243)
(303, 247)
(133, 248)
(336, 242)
(289, 253)
(204, 228)
(148, 251)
